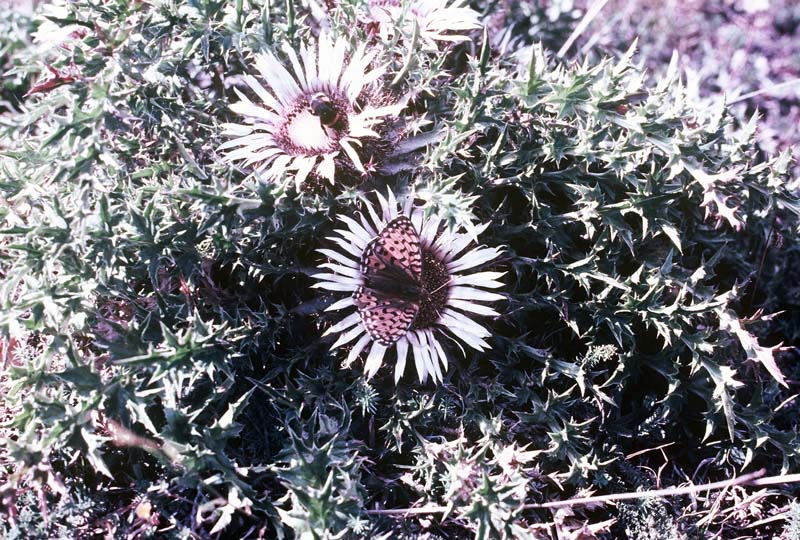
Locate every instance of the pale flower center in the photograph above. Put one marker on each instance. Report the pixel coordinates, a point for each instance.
(306, 131)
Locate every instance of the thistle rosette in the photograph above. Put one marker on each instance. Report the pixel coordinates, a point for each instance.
(327, 115)
(411, 282)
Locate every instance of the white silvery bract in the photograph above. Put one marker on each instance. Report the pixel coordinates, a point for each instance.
(282, 133)
(449, 263)
(436, 20)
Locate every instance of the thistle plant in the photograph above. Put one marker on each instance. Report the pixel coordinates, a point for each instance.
(221, 219)
(406, 280)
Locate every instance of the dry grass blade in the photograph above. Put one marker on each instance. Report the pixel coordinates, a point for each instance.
(751, 479)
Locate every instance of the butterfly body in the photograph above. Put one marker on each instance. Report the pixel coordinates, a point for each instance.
(394, 286)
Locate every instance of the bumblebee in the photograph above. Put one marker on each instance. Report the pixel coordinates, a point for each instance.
(322, 107)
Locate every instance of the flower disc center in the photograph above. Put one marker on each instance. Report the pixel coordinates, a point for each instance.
(434, 281)
(311, 130)
(305, 131)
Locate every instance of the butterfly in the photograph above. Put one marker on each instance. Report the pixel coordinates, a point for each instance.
(391, 266)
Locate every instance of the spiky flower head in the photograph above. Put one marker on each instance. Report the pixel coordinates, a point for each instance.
(436, 20)
(323, 116)
(411, 281)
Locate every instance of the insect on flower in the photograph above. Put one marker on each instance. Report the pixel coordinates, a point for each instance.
(320, 120)
(389, 300)
(322, 106)
(407, 282)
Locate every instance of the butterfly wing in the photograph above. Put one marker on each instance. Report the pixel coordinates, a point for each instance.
(385, 319)
(394, 252)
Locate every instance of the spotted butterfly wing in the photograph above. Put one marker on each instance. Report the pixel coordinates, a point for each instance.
(391, 266)
(385, 319)
(395, 251)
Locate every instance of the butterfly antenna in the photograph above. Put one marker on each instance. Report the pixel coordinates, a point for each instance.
(440, 287)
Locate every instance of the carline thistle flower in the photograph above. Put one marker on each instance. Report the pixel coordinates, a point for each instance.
(410, 285)
(435, 19)
(314, 120)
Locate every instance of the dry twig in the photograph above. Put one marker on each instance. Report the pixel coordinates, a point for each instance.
(752, 479)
